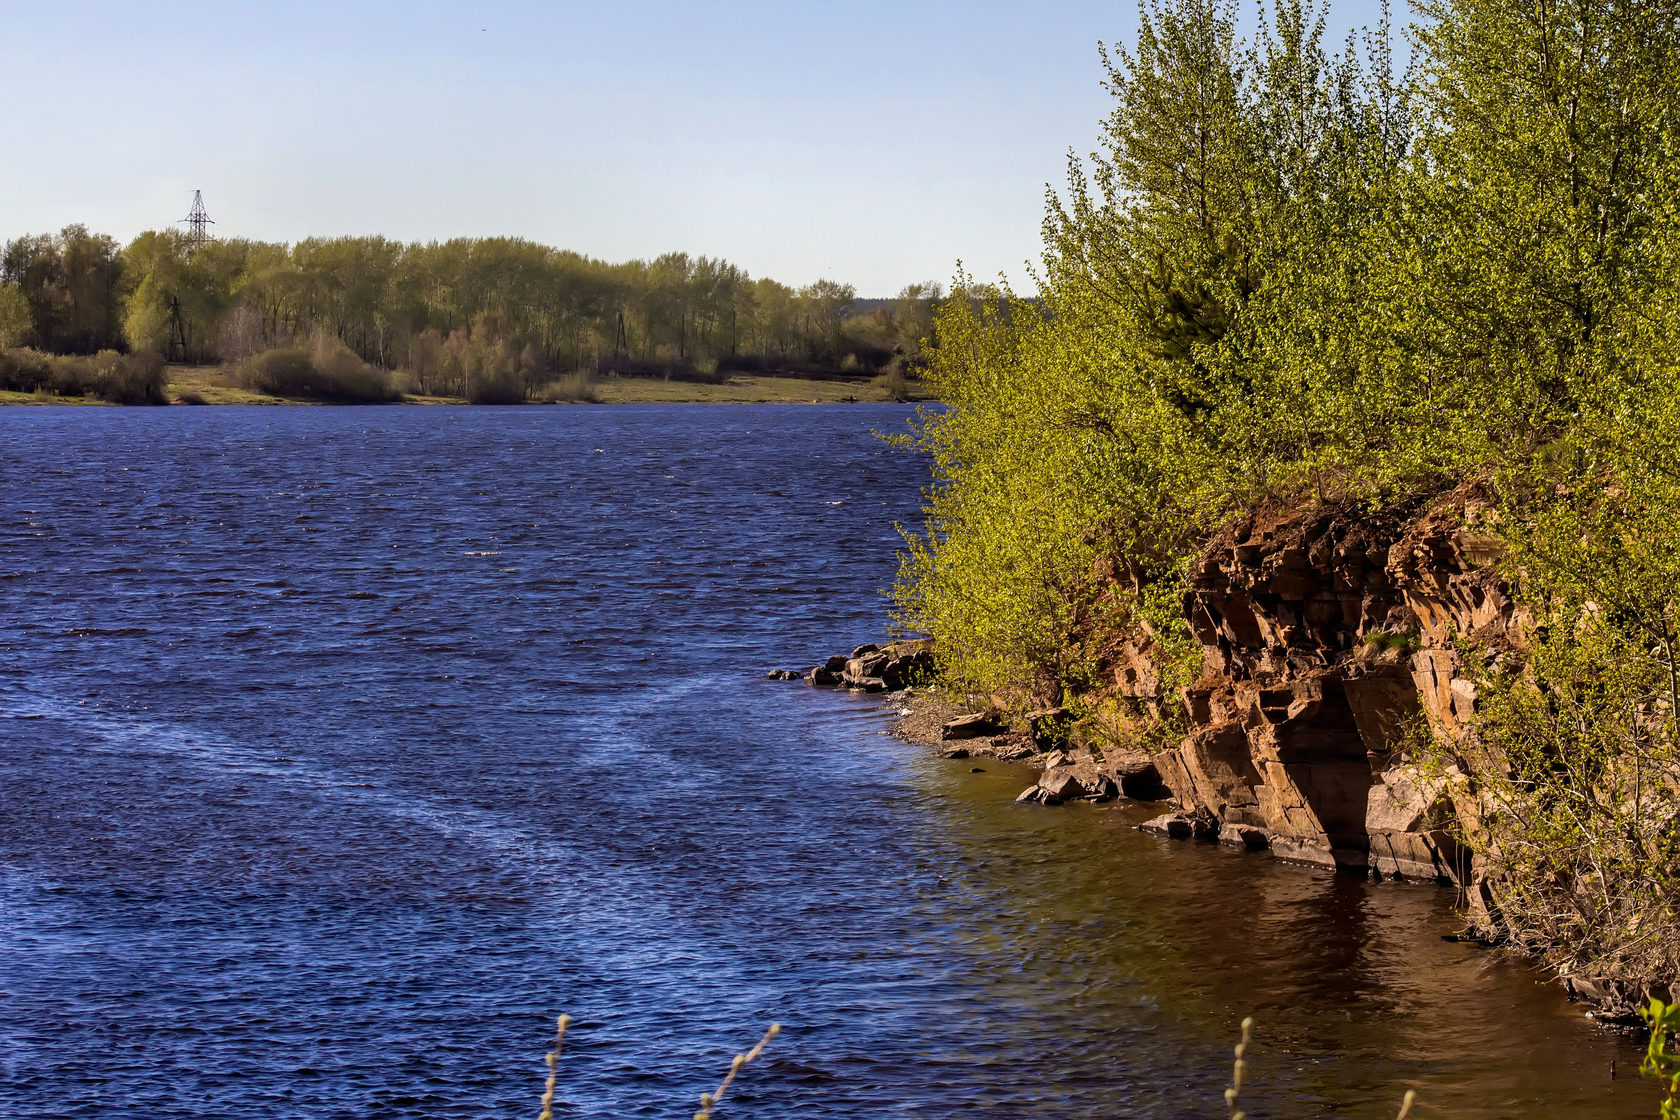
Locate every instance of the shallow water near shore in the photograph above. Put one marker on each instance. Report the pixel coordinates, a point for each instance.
(341, 750)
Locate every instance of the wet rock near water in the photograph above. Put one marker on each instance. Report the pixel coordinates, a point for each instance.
(1069, 772)
(869, 668)
(974, 725)
(1245, 836)
(1134, 771)
(1183, 826)
(1175, 826)
(1005, 748)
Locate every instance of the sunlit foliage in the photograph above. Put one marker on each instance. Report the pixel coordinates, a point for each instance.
(1291, 274)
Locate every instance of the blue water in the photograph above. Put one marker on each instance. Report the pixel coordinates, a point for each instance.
(341, 750)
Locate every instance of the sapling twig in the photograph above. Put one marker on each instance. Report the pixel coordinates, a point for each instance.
(553, 1060)
(708, 1101)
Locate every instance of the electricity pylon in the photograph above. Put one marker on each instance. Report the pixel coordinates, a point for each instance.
(198, 222)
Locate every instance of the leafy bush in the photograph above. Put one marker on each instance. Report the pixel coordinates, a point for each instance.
(578, 388)
(283, 372)
(1661, 1063)
(137, 378)
(326, 372)
(1316, 298)
(892, 384)
(496, 386)
(110, 376)
(25, 371)
(72, 376)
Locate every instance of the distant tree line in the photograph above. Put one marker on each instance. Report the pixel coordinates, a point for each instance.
(465, 317)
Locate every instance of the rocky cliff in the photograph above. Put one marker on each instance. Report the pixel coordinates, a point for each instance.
(1329, 636)
(1335, 648)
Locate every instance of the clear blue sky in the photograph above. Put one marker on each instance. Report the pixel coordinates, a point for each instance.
(871, 143)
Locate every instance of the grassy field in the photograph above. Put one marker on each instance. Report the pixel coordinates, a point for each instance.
(209, 385)
(7, 396)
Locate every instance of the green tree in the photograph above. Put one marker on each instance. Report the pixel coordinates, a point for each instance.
(17, 318)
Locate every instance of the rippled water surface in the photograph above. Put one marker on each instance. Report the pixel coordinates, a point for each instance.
(340, 750)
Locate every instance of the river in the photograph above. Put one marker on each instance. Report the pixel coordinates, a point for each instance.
(342, 749)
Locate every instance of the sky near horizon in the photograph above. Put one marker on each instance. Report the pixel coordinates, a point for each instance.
(871, 143)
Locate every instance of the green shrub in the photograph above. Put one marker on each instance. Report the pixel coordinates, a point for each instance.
(283, 372)
(500, 386)
(137, 378)
(892, 384)
(25, 371)
(72, 376)
(110, 376)
(1661, 1063)
(578, 388)
(330, 373)
(1288, 277)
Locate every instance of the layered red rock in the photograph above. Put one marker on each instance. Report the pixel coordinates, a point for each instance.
(1328, 634)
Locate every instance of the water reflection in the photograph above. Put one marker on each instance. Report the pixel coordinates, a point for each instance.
(1162, 947)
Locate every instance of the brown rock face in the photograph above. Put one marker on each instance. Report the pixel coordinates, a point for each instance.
(1327, 634)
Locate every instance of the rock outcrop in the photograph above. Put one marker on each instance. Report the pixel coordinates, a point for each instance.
(1327, 636)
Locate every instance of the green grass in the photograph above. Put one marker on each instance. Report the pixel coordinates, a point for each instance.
(8, 396)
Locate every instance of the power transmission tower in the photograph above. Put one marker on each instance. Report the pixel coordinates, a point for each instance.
(198, 222)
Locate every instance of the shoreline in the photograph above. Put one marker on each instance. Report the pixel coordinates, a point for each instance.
(924, 712)
(954, 728)
(193, 386)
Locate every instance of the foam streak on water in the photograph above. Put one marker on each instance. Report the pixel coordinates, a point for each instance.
(342, 749)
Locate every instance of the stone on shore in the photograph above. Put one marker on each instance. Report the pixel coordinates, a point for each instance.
(874, 668)
(972, 726)
(1061, 783)
(1245, 836)
(1135, 771)
(869, 665)
(1068, 781)
(1174, 825)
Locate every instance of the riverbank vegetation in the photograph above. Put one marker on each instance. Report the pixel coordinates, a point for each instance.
(490, 320)
(1297, 273)
(104, 376)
